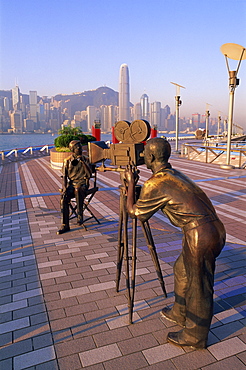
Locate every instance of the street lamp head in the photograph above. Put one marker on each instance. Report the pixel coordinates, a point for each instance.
(233, 51)
(177, 88)
(178, 103)
(236, 52)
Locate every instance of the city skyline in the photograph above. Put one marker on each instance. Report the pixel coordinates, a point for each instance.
(28, 113)
(66, 49)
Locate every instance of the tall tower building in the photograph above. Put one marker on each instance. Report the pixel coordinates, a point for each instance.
(137, 114)
(91, 116)
(111, 118)
(6, 104)
(104, 116)
(33, 105)
(196, 120)
(16, 98)
(23, 106)
(166, 112)
(16, 121)
(156, 114)
(144, 101)
(124, 95)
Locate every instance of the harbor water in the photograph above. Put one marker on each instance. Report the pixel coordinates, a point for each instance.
(20, 141)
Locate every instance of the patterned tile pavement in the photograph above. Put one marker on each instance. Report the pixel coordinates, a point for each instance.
(59, 308)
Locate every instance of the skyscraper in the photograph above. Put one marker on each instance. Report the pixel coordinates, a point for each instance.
(156, 114)
(124, 95)
(144, 101)
(91, 116)
(196, 120)
(16, 98)
(104, 116)
(16, 121)
(33, 105)
(6, 104)
(137, 114)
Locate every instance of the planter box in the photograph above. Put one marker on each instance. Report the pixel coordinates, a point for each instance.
(57, 158)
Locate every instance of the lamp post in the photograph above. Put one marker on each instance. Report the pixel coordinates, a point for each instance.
(219, 120)
(207, 121)
(236, 52)
(225, 124)
(178, 102)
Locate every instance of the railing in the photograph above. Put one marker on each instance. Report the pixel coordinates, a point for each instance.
(209, 153)
(22, 153)
(172, 138)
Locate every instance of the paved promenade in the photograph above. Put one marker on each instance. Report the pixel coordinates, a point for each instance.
(59, 307)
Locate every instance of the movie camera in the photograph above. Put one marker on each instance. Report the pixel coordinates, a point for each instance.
(129, 150)
(127, 153)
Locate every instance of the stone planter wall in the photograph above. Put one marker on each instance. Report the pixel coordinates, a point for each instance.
(57, 158)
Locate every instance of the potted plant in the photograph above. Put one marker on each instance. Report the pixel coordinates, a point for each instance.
(61, 150)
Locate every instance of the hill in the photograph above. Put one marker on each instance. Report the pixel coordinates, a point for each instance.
(78, 102)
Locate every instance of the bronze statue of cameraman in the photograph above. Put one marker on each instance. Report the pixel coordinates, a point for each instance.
(187, 207)
(76, 174)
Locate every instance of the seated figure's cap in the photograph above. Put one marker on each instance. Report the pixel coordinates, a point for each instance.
(72, 143)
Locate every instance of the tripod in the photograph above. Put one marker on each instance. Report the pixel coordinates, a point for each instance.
(122, 252)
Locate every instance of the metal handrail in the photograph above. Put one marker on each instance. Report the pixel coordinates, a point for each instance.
(216, 150)
(31, 149)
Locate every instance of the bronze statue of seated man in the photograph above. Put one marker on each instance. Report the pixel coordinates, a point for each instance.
(76, 174)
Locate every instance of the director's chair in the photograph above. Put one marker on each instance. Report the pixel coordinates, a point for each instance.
(88, 198)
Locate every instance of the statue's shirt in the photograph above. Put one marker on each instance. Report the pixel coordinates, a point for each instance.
(176, 195)
(76, 170)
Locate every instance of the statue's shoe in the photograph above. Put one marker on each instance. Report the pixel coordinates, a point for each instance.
(176, 338)
(167, 313)
(63, 230)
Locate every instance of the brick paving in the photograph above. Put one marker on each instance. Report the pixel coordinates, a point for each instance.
(59, 306)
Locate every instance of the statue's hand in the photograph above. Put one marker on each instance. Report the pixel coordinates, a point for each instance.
(62, 190)
(131, 175)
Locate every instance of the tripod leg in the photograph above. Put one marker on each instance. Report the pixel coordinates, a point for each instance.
(126, 258)
(134, 259)
(152, 249)
(120, 250)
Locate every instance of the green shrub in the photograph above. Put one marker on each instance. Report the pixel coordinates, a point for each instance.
(70, 130)
(64, 140)
(91, 138)
(68, 134)
(62, 149)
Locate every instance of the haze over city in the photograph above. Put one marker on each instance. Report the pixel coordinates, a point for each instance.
(67, 47)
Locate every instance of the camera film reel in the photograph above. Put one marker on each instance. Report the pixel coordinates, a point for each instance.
(135, 132)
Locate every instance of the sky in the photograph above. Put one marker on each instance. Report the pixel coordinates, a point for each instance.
(68, 46)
